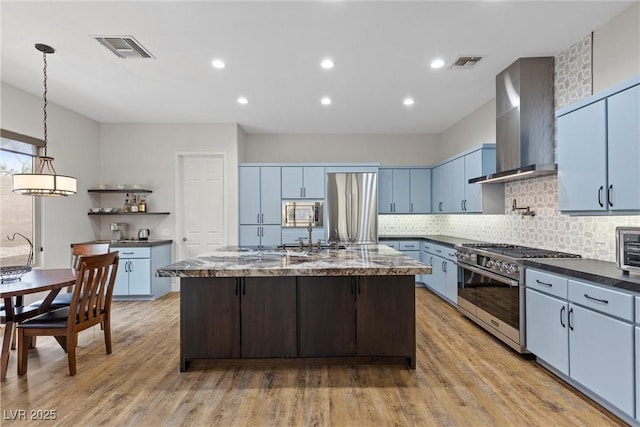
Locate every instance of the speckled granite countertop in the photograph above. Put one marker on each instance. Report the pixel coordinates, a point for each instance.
(600, 272)
(435, 238)
(234, 261)
(130, 243)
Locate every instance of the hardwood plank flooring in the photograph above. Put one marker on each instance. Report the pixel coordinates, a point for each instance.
(464, 377)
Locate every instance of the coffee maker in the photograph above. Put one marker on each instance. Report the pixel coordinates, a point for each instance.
(118, 230)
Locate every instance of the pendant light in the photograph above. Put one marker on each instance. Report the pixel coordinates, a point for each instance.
(45, 181)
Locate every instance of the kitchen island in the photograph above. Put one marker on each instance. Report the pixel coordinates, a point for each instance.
(353, 305)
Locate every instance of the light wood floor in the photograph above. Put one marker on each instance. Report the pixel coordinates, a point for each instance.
(464, 377)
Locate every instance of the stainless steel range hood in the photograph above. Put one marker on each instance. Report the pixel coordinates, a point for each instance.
(524, 121)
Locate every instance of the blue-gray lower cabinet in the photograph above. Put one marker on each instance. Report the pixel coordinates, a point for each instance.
(136, 279)
(444, 272)
(584, 333)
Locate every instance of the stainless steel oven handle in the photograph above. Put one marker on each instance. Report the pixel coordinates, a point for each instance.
(512, 283)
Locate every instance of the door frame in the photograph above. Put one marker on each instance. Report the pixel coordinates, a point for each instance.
(179, 157)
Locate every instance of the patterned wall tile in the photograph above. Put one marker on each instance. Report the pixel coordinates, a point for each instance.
(573, 78)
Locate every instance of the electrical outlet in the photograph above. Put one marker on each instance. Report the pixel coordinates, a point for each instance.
(165, 232)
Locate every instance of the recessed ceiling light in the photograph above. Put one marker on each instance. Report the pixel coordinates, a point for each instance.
(437, 63)
(242, 100)
(218, 63)
(325, 101)
(408, 101)
(327, 64)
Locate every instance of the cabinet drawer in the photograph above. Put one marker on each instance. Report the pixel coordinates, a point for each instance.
(393, 243)
(607, 301)
(444, 252)
(427, 247)
(409, 245)
(547, 283)
(132, 252)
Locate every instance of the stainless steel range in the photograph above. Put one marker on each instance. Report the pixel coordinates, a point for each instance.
(491, 287)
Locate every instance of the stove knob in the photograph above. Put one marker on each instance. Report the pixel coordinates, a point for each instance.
(497, 265)
(467, 256)
(491, 264)
(513, 269)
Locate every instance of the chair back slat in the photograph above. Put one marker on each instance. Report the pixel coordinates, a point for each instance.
(82, 249)
(93, 290)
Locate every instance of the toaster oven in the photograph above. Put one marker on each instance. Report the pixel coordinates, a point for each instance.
(301, 214)
(628, 249)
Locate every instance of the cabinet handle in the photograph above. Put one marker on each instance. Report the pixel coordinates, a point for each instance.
(431, 262)
(562, 316)
(304, 191)
(130, 266)
(127, 253)
(440, 206)
(542, 283)
(439, 251)
(604, 301)
(258, 231)
(244, 287)
(600, 196)
(411, 207)
(444, 267)
(461, 205)
(571, 319)
(465, 205)
(262, 231)
(300, 191)
(358, 284)
(609, 195)
(258, 218)
(261, 218)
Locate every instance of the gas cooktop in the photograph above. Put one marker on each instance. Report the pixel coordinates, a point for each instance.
(516, 251)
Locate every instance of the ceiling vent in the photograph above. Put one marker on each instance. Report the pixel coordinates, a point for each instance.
(466, 62)
(124, 46)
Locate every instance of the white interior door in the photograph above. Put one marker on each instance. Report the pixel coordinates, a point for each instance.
(201, 223)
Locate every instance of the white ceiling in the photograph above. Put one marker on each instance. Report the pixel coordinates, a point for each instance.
(272, 50)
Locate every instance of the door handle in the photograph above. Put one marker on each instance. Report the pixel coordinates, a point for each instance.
(562, 316)
(571, 319)
(609, 195)
(184, 239)
(600, 196)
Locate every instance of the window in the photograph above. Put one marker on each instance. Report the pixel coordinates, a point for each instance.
(18, 214)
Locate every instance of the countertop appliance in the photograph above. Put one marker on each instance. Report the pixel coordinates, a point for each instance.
(301, 213)
(352, 207)
(118, 231)
(491, 287)
(628, 249)
(143, 234)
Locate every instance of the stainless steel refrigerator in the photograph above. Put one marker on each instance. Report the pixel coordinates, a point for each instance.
(352, 207)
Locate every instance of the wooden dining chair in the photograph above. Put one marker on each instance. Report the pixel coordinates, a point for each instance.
(79, 250)
(90, 306)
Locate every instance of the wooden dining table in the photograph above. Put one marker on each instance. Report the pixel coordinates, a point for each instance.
(52, 280)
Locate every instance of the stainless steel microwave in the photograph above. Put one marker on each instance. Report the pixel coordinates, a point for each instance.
(301, 213)
(628, 249)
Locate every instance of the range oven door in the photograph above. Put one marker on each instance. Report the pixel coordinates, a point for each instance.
(491, 298)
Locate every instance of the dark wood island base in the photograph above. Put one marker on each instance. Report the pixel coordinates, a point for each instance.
(312, 319)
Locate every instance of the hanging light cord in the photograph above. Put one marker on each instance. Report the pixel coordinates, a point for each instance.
(44, 108)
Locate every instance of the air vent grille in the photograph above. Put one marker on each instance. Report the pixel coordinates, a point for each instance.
(466, 62)
(124, 46)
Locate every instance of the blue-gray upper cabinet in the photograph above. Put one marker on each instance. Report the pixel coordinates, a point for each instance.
(404, 190)
(598, 152)
(260, 205)
(300, 182)
(452, 192)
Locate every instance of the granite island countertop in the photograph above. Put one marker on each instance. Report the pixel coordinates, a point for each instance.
(130, 243)
(235, 261)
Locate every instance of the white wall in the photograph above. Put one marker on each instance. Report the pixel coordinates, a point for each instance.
(477, 128)
(399, 149)
(146, 154)
(616, 49)
(73, 142)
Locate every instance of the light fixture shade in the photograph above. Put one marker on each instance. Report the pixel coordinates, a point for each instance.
(34, 184)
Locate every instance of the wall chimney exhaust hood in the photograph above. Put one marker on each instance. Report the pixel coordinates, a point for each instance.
(524, 121)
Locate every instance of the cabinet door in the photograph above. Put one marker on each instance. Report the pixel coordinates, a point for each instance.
(380, 298)
(327, 317)
(268, 317)
(401, 186)
(250, 235)
(439, 278)
(140, 276)
(455, 176)
(249, 197)
(420, 181)
(473, 192)
(601, 356)
(451, 281)
(547, 329)
(415, 255)
(582, 159)
(385, 190)
(291, 182)
(271, 235)
(270, 195)
(210, 318)
(313, 180)
(121, 286)
(436, 189)
(623, 112)
(427, 259)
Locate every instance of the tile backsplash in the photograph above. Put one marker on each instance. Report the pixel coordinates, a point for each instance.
(590, 236)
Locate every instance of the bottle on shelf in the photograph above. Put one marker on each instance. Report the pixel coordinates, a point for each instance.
(134, 204)
(142, 204)
(127, 206)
